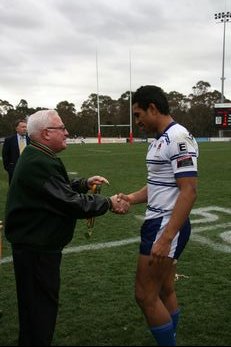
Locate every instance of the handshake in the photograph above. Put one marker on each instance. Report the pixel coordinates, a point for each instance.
(120, 203)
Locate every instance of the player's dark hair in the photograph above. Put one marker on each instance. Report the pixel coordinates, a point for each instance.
(146, 95)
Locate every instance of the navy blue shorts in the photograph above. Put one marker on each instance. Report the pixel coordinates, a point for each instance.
(152, 229)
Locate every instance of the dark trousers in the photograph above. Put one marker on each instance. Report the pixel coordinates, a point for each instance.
(37, 283)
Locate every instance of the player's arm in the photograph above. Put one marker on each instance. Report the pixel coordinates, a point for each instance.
(184, 166)
(183, 206)
(138, 197)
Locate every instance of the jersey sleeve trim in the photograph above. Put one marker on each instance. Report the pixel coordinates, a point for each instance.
(186, 174)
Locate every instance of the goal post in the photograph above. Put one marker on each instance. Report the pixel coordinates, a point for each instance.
(130, 103)
(113, 126)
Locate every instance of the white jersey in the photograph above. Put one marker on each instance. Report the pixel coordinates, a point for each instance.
(173, 155)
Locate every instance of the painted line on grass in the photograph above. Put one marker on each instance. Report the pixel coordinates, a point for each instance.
(204, 240)
(226, 236)
(92, 247)
(208, 216)
(102, 245)
(99, 150)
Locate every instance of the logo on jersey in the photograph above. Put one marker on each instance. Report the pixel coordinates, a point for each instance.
(158, 145)
(182, 146)
(184, 161)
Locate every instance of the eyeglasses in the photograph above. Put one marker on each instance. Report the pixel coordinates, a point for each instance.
(62, 127)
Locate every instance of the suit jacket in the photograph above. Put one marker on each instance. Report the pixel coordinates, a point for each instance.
(11, 153)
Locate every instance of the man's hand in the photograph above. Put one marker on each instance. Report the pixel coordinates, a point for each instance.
(160, 249)
(98, 180)
(119, 205)
(122, 196)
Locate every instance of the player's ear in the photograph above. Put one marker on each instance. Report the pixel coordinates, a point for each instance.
(153, 108)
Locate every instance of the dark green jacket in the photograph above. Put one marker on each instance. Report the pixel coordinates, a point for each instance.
(43, 205)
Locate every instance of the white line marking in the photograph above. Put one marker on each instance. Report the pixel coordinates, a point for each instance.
(226, 236)
(79, 249)
(99, 150)
(206, 241)
(208, 217)
(206, 213)
(6, 260)
(103, 245)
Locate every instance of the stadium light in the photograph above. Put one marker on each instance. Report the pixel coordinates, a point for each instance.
(130, 99)
(223, 17)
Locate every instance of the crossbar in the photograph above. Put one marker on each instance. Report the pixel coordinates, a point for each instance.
(115, 125)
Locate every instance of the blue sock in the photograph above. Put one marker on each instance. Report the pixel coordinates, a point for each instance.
(175, 319)
(164, 334)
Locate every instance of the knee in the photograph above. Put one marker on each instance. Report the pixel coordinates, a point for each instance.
(167, 293)
(140, 297)
(144, 299)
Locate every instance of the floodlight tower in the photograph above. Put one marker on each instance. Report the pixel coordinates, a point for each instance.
(130, 99)
(223, 17)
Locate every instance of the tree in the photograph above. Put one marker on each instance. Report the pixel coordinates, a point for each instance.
(179, 105)
(123, 114)
(195, 111)
(67, 112)
(5, 107)
(177, 102)
(87, 117)
(201, 112)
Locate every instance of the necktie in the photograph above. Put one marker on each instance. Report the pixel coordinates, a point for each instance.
(21, 144)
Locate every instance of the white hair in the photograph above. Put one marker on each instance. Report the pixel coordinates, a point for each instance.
(39, 121)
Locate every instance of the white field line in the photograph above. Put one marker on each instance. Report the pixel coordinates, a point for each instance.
(206, 213)
(93, 247)
(225, 236)
(98, 150)
(194, 237)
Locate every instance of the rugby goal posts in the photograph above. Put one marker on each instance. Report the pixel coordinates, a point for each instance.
(115, 125)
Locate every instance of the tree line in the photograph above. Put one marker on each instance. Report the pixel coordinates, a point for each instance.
(195, 111)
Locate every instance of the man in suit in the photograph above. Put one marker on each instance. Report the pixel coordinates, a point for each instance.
(13, 147)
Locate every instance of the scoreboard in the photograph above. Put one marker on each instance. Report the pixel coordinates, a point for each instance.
(223, 115)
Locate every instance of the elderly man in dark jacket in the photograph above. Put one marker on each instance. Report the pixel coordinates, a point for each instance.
(41, 213)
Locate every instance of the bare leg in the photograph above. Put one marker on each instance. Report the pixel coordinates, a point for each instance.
(150, 279)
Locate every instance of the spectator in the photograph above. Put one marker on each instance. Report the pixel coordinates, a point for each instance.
(13, 147)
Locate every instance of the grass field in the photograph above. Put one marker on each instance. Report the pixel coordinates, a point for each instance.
(97, 305)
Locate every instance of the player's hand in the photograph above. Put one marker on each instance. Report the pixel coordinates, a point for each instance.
(122, 196)
(161, 248)
(119, 206)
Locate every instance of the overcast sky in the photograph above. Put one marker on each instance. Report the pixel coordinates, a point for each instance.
(48, 48)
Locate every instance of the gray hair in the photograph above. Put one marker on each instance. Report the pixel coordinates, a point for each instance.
(39, 121)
